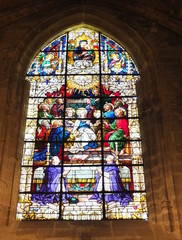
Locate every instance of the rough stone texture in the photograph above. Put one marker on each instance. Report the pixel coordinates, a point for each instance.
(152, 32)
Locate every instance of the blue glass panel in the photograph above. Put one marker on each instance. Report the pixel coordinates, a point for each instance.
(58, 44)
(108, 44)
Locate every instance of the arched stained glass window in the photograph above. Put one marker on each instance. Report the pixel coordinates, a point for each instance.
(82, 155)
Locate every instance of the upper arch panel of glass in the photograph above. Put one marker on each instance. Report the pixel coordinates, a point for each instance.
(82, 51)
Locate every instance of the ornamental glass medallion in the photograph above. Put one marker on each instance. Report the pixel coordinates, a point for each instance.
(82, 153)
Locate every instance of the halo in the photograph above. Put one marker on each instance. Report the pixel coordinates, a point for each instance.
(46, 100)
(110, 104)
(97, 112)
(43, 103)
(56, 120)
(57, 160)
(79, 110)
(122, 109)
(114, 54)
(41, 121)
(50, 55)
(70, 109)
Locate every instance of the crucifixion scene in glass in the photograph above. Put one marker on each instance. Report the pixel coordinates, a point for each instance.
(82, 153)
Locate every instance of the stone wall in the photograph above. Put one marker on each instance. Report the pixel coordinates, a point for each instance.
(152, 33)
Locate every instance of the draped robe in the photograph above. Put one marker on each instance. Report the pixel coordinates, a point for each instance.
(50, 186)
(55, 140)
(114, 185)
(119, 133)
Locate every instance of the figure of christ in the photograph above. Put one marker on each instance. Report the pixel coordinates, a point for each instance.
(119, 133)
(55, 139)
(83, 132)
(112, 184)
(51, 185)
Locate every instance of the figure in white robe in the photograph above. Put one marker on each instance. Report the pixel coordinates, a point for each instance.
(83, 132)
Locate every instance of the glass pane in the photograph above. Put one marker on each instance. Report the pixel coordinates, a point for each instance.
(138, 178)
(118, 86)
(26, 179)
(109, 44)
(38, 207)
(82, 152)
(28, 151)
(46, 149)
(80, 35)
(86, 109)
(81, 207)
(80, 178)
(47, 179)
(83, 55)
(30, 130)
(137, 209)
(124, 108)
(47, 86)
(46, 108)
(79, 86)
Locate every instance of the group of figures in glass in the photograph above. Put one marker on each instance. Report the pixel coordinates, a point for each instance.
(82, 155)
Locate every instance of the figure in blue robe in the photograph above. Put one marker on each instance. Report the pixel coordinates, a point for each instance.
(55, 140)
(110, 115)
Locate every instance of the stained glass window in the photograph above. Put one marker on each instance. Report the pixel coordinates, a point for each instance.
(82, 154)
